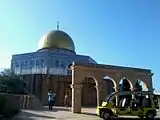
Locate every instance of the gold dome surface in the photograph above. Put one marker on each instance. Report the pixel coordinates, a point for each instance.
(56, 39)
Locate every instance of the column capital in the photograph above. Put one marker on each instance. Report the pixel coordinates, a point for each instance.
(76, 85)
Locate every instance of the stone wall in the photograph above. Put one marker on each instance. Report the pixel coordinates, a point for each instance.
(22, 101)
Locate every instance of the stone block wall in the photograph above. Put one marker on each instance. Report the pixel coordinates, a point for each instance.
(22, 101)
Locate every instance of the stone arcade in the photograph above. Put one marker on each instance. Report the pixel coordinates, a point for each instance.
(98, 72)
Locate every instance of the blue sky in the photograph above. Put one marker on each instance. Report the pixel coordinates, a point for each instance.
(118, 32)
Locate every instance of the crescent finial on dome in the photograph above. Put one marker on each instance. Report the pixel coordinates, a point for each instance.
(57, 25)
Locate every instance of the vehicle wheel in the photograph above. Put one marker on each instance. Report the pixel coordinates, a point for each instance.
(150, 116)
(141, 117)
(101, 114)
(107, 115)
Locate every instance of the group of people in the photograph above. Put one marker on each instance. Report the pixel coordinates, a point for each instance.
(52, 96)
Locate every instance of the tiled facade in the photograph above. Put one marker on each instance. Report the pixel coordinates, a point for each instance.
(43, 70)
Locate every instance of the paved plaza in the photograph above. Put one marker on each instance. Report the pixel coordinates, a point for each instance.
(60, 113)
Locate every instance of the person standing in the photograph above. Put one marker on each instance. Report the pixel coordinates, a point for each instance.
(50, 100)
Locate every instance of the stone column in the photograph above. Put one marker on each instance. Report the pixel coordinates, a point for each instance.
(98, 98)
(117, 97)
(76, 98)
(116, 87)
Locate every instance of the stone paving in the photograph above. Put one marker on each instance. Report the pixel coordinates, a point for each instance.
(60, 113)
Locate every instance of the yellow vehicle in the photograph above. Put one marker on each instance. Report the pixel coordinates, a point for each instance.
(129, 103)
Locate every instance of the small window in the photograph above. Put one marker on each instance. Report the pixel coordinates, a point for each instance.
(32, 62)
(17, 64)
(51, 62)
(37, 63)
(42, 62)
(22, 63)
(62, 65)
(26, 63)
(57, 63)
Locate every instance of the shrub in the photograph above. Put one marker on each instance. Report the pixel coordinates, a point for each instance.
(8, 108)
(9, 105)
(12, 85)
(2, 104)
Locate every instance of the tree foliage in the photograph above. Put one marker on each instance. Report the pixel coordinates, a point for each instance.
(10, 83)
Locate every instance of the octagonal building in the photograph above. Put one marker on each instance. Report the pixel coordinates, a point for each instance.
(47, 68)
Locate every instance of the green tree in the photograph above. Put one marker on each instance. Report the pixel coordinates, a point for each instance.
(10, 83)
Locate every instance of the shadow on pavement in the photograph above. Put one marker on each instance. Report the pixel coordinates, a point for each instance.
(63, 109)
(132, 119)
(56, 109)
(120, 118)
(28, 116)
(91, 114)
(129, 118)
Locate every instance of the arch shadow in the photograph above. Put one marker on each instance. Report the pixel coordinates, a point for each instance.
(89, 92)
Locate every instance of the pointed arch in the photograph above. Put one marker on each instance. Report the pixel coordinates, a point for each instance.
(89, 91)
(112, 80)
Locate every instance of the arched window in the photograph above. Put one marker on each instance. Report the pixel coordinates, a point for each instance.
(26, 63)
(17, 64)
(42, 62)
(32, 63)
(63, 65)
(37, 63)
(57, 64)
(51, 62)
(22, 64)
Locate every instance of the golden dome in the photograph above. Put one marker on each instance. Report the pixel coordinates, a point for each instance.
(56, 39)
